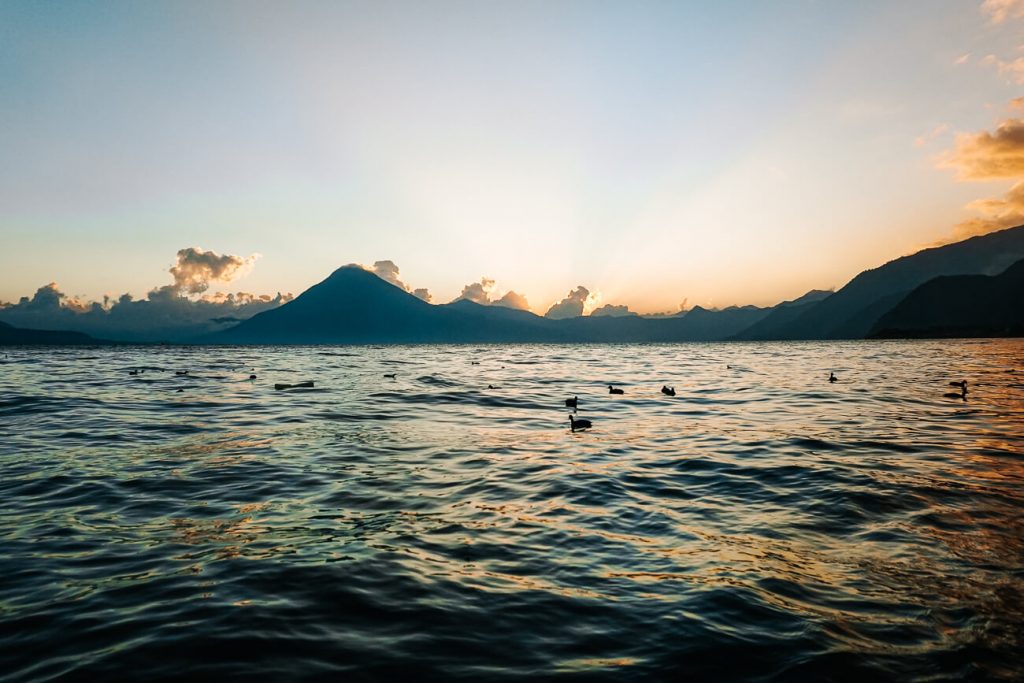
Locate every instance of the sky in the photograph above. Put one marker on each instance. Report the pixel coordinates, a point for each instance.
(652, 152)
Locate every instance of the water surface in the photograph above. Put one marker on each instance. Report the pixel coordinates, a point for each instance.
(760, 525)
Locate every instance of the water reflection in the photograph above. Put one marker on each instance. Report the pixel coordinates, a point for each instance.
(762, 519)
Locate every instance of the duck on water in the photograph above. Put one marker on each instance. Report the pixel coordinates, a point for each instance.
(575, 424)
(962, 394)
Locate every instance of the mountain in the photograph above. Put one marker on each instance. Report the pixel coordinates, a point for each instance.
(773, 325)
(354, 306)
(960, 306)
(851, 312)
(17, 336)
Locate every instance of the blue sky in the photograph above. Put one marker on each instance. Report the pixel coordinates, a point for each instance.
(728, 152)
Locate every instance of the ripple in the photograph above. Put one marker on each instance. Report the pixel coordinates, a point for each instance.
(761, 525)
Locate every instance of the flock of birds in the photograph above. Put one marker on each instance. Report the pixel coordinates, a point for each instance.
(579, 423)
(575, 423)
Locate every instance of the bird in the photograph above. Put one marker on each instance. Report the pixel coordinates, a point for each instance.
(613, 390)
(490, 386)
(575, 424)
(961, 395)
(572, 402)
(181, 372)
(832, 377)
(668, 391)
(390, 376)
(962, 383)
(474, 362)
(252, 376)
(133, 372)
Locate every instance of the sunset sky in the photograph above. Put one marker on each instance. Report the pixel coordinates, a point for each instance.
(721, 153)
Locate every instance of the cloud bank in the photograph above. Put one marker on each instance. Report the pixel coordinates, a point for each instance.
(169, 312)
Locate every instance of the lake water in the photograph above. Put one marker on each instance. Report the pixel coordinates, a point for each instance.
(762, 524)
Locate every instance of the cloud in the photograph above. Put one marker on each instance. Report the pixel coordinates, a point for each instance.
(388, 271)
(1001, 10)
(988, 156)
(1017, 103)
(571, 306)
(477, 292)
(931, 135)
(612, 311)
(513, 300)
(167, 312)
(196, 269)
(962, 59)
(997, 214)
(1014, 69)
(483, 293)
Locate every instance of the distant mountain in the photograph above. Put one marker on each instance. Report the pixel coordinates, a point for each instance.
(852, 312)
(17, 336)
(774, 325)
(354, 306)
(960, 306)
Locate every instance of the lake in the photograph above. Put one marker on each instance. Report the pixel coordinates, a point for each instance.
(762, 524)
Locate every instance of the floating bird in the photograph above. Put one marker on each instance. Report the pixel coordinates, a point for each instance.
(613, 390)
(963, 391)
(474, 362)
(832, 377)
(252, 376)
(572, 402)
(668, 391)
(133, 372)
(575, 424)
(490, 386)
(961, 384)
(391, 376)
(181, 372)
(300, 385)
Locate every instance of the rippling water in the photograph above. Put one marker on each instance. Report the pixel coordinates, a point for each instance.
(760, 525)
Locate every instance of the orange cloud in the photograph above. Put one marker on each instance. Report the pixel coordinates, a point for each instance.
(196, 268)
(997, 214)
(988, 156)
(1001, 10)
(1014, 69)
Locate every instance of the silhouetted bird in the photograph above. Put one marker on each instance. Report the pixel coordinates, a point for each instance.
(832, 377)
(391, 376)
(181, 372)
(133, 372)
(474, 362)
(252, 376)
(668, 391)
(613, 390)
(963, 391)
(490, 386)
(572, 402)
(575, 424)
